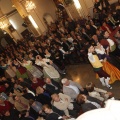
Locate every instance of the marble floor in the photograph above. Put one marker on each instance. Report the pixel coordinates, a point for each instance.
(83, 73)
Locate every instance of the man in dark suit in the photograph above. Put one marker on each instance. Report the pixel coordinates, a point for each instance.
(35, 51)
(88, 103)
(85, 36)
(52, 86)
(90, 30)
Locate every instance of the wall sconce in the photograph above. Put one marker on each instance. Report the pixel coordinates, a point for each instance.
(13, 24)
(33, 22)
(3, 25)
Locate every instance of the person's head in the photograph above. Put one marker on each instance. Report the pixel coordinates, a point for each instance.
(104, 23)
(65, 82)
(83, 30)
(117, 34)
(79, 37)
(34, 80)
(88, 27)
(30, 55)
(1, 100)
(90, 87)
(55, 97)
(24, 60)
(4, 78)
(39, 90)
(46, 51)
(21, 79)
(10, 94)
(91, 49)
(31, 101)
(7, 85)
(47, 80)
(91, 22)
(105, 34)
(40, 50)
(95, 38)
(7, 113)
(89, 17)
(94, 10)
(109, 15)
(98, 32)
(81, 99)
(16, 98)
(98, 44)
(39, 57)
(46, 108)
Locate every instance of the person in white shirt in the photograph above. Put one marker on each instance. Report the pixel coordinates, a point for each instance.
(98, 93)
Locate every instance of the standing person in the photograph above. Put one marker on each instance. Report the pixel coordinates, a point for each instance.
(48, 70)
(31, 69)
(107, 67)
(72, 88)
(97, 66)
(7, 69)
(20, 71)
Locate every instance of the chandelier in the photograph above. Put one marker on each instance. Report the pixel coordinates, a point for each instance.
(29, 5)
(3, 25)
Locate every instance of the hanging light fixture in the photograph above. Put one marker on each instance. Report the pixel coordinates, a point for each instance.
(29, 5)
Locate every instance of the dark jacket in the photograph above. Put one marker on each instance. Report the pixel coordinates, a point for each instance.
(51, 89)
(89, 106)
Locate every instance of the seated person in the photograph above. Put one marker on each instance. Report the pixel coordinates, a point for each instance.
(25, 82)
(64, 102)
(118, 38)
(52, 86)
(97, 92)
(26, 116)
(51, 115)
(37, 82)
(72, 88)
(9, 87)
(88, 103)
(42, 96)
(37, 106)
(4, 106)
(13, 114)
(21, 103)
(28, 94)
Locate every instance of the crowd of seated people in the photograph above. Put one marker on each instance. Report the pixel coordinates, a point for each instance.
(31, 71)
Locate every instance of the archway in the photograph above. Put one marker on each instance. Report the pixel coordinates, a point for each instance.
(48, 19)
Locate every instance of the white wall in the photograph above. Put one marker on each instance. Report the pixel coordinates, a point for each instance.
(17, 20)
(43, 7)
(6, 7)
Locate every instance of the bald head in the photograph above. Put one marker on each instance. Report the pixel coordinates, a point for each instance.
(65, 82)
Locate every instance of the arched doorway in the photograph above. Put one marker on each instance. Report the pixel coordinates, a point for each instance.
(48, 19)
(3, 43)
(61, 11)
